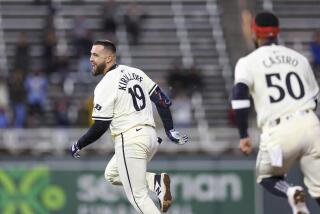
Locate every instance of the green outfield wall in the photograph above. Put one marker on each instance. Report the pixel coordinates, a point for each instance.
(79, 187)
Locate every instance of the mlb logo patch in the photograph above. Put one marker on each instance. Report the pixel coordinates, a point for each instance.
(98, 107)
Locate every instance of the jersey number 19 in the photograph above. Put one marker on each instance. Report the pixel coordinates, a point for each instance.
(138, 98)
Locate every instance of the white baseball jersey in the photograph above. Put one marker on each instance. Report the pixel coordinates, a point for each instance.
(123, 97)
(280, 81)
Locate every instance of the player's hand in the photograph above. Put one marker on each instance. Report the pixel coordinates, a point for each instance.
(245, 145)
(74, 151)
(175, 137)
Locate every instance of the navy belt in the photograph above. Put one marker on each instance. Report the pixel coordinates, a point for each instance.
(287, 117)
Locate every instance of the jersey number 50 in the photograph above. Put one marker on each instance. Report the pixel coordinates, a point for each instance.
(138, 98)
(294, 94)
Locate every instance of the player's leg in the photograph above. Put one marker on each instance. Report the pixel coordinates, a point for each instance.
(153, 147)
(132, 164)
(158, 183)
(111, 172)
(150, 178)
(310, 162)
(279, 186)
(112, 175)
(276, 185)
(272, 178)
(309, 166)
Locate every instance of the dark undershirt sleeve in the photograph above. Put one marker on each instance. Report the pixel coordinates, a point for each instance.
(241, 107)
(166, 117)
(163, 104)
(94, 133)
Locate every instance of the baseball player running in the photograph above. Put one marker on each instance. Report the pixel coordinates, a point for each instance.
(122, 100)
(284, 90)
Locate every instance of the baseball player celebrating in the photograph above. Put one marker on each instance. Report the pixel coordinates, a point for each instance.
(284, 90)
(122, 100)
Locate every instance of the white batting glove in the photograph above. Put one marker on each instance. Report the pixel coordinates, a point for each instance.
(175, 137)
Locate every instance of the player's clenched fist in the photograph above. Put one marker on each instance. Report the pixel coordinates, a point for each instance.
(245, 146)
(175, 137)
(74, 151)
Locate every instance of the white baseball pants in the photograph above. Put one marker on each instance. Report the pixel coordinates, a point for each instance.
(298, 139)
(133, 149)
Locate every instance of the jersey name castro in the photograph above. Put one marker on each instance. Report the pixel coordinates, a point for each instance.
(280, 81)
(123, 96)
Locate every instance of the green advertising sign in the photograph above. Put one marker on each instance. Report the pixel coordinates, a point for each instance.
(198, 187)
(29, 191)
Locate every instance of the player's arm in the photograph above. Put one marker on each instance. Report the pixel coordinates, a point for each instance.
(241, 106)
(241, 102)
(94, 133)
(163, 103)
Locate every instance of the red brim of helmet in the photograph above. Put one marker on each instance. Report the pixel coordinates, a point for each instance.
(264, 32)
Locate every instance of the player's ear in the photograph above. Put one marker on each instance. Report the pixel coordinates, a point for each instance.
(110, 58)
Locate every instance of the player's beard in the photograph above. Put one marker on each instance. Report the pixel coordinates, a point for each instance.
(99, 69)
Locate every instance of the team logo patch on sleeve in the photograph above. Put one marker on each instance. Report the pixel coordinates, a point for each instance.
(98, 107)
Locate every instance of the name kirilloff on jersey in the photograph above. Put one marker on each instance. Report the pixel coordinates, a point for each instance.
(136, 92)
(126, 78)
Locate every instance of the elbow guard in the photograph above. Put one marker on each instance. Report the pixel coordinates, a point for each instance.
(160, 98)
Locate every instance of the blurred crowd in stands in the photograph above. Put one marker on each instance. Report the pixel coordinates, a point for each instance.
(47, 93)
(37, 95)
(184, 82)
